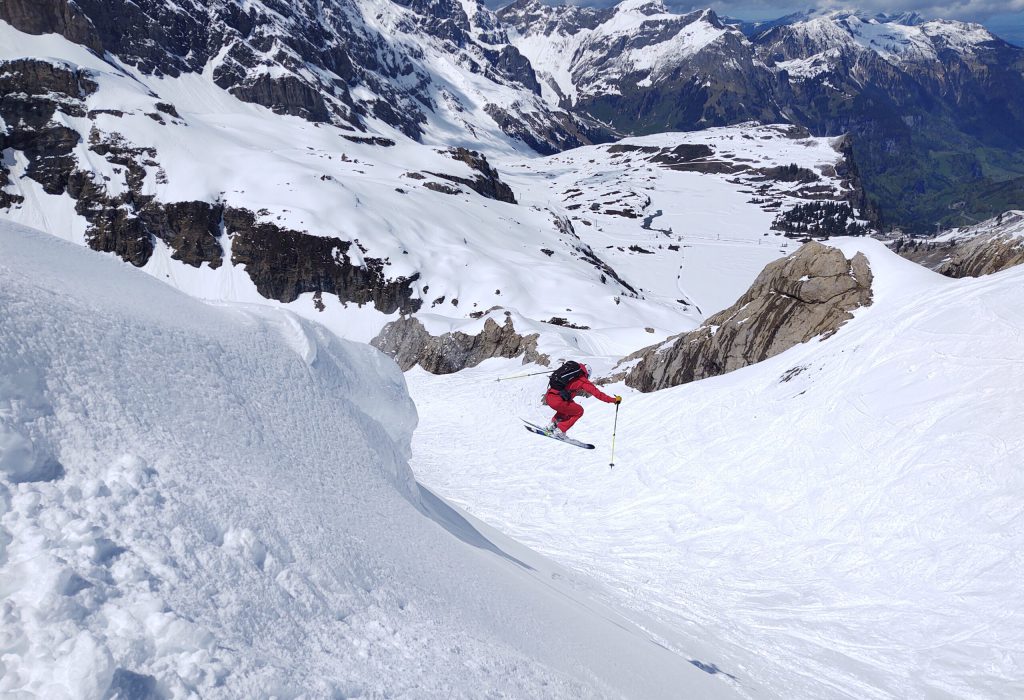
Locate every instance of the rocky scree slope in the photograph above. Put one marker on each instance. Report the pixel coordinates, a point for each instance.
(806, 295)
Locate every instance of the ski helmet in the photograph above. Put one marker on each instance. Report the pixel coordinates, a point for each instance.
(586, 369)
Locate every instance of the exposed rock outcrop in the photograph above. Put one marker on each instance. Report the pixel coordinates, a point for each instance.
(930, 254)
(984, 255)
(31, 93)
(548, 135)
(284, 264)
(808, 294)
(991, 246)
(487, 183)
(191, 229)
(52, 17)
(6, 198)
(409, 343)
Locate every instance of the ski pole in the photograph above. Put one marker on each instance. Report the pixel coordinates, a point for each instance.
(520, 376)
(615, 427)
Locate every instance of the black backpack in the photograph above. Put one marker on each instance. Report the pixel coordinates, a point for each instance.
(562, 376)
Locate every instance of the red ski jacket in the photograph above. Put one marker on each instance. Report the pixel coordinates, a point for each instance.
(581, 385)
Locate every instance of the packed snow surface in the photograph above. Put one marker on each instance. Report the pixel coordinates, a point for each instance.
(844, 520)
(201, 501)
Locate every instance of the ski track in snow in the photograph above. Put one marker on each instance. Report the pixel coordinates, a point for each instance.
(852, 532)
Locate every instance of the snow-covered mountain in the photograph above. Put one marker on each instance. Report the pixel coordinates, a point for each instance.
(639, 46)
(537, 77)
(430, 70)
(230, 201)
(942, 52)
(640, 67)
(750, 28)
(934, 110)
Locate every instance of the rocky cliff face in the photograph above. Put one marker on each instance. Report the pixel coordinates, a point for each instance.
(339, 61)
(806, 295)
(31, 93)
(40, 98)
(409, 343)
(989, 247)
(285, 264)
(984, 255)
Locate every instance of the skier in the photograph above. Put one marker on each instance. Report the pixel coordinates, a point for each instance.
(570, 380)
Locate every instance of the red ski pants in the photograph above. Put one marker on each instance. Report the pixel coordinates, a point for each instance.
(566, 412)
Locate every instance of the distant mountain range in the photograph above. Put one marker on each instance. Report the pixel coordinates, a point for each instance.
(1009, 26)
(935, 109)
(752, 28)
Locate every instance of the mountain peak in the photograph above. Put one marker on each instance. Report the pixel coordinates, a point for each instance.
(911, 19)
(645, 7)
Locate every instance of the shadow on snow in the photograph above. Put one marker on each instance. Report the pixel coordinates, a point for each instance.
(448, 518)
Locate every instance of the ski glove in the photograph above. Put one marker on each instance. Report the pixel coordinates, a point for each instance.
(618, 399)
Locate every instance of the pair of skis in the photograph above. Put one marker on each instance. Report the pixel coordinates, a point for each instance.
(534, 428)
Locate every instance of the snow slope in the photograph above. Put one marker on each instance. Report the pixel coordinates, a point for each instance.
(720, 234)
(844, 520)
(203, 501)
